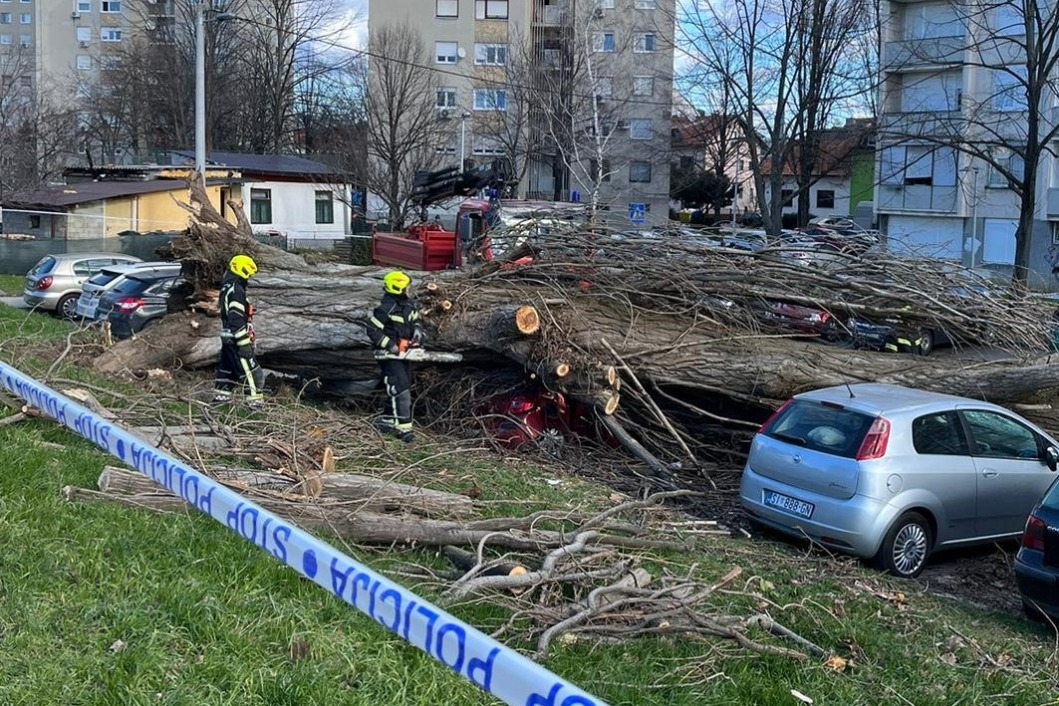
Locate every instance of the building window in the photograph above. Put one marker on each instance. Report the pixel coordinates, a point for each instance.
(84, 5)
(84, 62)
(490, 54)
(490, 9)
(603, 41)
(447, 8)
(261, 205)
(84, 34)
(643, 85)
(110, 34)
(445, 52)
(1014, 164)
(446, 97)
(25, 18)
(604, 86)
(645, 42)
(645, 4)
(34, 222)
(110, 6)
(24, 40)
(5, 18)
(325, 207)
(825, 199)
(640, 130)
(594, 170)
(639, 172)
(109, 63)
(489, 148)
(787, 195)
(687, 162)
(490, 99)
(5, 39)
(1009, 89)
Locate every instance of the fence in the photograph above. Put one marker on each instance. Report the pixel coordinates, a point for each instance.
(18, 256)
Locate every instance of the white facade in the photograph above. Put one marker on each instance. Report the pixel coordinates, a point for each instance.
(827, 197)
(946, 75)
(299, 210)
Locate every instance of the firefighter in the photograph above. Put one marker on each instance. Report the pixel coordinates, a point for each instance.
(237, 366)
(393, 329)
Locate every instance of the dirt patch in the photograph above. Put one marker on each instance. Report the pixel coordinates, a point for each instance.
(982, 577)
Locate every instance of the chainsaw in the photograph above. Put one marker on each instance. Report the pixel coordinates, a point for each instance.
(414, 354)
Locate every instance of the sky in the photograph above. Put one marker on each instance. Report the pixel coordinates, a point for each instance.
(357, 35)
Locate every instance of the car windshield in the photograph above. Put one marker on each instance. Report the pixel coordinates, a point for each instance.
(821, 426)
(44, 266)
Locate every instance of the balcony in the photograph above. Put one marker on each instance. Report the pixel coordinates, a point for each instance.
(941, 122)
(1053, 203)
(917, 197)
(550, 15)
(922, 52)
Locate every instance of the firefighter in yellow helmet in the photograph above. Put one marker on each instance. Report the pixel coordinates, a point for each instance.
(393, 330)
(238, 366)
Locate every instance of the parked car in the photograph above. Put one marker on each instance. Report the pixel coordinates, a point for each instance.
(138, 301)
(1037, 563)
(538, 416)
(109, 277)
(891, 473)
(54, 283)
(804, 319)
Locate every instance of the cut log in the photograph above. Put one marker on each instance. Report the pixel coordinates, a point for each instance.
(367, 493)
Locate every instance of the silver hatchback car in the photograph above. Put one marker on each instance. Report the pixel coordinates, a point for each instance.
(891, 473)
(54, 283)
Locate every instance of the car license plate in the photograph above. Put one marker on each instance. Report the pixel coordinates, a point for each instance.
(788, 504)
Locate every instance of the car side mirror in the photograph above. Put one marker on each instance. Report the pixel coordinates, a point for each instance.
(1051, 457)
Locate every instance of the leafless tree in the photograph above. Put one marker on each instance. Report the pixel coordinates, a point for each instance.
(401, 116)
(787, 65)
(1007, 127)
(37, 130)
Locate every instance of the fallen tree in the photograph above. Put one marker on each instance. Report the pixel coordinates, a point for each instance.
(663, 338)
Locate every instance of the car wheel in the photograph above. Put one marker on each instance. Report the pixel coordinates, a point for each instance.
(67, 306)
(906, 547)
(926, 342)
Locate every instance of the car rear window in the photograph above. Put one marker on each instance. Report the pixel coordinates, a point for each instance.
(1051, 497)
(829, 428)
(44, 266)
(102, 277)
(133, 285)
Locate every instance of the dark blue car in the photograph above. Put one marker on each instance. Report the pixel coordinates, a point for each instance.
(138, 301)
(1037, 563)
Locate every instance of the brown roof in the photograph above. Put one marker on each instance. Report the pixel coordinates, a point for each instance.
(837, 146)
(62, 197)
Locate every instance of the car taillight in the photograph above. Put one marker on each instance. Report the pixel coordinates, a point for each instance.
(520, 406)
(874, 444)
(775, 414)
(44, 282)
(128, 305)
(1033, 535)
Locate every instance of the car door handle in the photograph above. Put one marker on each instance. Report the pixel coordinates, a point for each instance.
(989, 473)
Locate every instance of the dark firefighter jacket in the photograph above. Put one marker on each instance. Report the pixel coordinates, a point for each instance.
(394, 319)
(235, 311)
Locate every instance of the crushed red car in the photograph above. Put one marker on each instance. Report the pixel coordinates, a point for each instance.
(539, 416)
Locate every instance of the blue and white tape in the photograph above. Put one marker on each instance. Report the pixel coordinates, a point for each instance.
(483, 661)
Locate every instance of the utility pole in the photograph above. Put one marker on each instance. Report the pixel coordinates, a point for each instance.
(200, 89)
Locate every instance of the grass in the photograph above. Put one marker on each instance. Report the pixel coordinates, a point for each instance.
(104, 605)
(11, 285)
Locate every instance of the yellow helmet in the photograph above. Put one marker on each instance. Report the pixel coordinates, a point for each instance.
(396, 282)
(243, 266)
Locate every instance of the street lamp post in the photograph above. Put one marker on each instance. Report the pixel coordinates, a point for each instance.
(463, 140)
(974, 214)
(200, 89)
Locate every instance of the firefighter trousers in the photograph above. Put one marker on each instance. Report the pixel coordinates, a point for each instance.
(234, 371)
(397, 377)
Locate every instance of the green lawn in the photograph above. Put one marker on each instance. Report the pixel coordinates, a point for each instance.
(11, 285)
(105, 605)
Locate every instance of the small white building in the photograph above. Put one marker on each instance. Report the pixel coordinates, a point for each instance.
(308, 202)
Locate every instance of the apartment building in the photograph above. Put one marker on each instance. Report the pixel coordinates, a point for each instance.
(947, 78)
(603, 67)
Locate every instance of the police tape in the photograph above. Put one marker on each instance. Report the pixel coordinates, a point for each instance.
(480, 659)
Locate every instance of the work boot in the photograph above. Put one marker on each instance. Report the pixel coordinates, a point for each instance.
(255, 405)
(221, 398)
(407, 437)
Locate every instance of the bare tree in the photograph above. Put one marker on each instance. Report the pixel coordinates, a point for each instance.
(402, 124)
(786, 65)
(1008, 126)
(37, 131)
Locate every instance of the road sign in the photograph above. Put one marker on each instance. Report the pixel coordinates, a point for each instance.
(637, 212)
